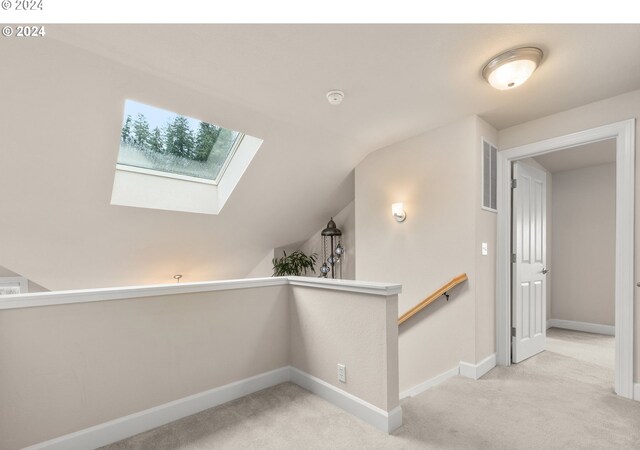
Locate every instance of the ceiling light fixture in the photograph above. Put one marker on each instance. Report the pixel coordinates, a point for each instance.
(512, 68)
(335, 97)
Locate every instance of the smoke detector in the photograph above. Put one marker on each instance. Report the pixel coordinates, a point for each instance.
(335, 97)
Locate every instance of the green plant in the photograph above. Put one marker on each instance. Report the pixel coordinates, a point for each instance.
(297, 263)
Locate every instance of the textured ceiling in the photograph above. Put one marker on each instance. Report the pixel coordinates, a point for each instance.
(63, 100)
(399, 80)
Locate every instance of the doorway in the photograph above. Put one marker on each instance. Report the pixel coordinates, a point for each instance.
(574, 265)
(623, 133)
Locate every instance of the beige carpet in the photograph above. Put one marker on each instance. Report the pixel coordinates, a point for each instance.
(594, 348)
(551, 401)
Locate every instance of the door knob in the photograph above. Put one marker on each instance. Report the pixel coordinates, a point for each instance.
(545, 271)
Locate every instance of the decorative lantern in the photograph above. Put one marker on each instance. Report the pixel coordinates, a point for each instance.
(332, 251)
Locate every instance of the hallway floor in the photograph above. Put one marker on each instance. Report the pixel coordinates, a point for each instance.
(560, 399)
(598, 349)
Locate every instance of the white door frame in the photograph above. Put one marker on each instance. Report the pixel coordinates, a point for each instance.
(624, 133)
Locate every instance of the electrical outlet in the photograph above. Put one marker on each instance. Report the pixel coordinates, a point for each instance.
(342, 373)
(485, 249)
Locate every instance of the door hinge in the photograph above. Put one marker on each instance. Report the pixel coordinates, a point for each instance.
(513, 257)
(514, 183)
(513, 331)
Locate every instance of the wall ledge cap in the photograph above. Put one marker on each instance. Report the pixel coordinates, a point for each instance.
(120, 293)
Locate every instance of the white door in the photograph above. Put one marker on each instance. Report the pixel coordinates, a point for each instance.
(528, 269)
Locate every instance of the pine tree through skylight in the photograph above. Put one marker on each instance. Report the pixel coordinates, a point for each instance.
(163, 141)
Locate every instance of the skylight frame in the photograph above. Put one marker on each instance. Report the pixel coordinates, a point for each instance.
(232, 152)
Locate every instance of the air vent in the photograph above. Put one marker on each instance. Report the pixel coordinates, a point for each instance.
(489, 168)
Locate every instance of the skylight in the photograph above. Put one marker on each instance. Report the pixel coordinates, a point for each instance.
(176, 163)
(161, 142)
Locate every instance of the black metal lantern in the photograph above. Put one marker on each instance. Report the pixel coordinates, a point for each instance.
(331, 246)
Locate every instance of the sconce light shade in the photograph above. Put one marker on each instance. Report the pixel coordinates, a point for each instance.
(512, 68)
(397, 209)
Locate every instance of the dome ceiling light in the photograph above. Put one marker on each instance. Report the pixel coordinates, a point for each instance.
(512, 68)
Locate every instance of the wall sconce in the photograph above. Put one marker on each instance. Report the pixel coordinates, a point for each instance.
(397, 209)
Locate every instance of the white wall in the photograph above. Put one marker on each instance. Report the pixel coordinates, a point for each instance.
(607, 111)
(69, 367)
(485, 266)
(264, 268)
(33, 287)
(583, 239)
(437, 175)
(357, 330)
(58, 177)
(345, 221)
(78, 363)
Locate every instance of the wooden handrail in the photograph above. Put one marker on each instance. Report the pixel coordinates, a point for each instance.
(433, 297)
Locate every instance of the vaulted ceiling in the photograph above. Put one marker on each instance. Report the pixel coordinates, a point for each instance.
(63, 98)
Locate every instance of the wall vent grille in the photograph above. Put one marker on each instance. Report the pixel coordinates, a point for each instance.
(489, 170)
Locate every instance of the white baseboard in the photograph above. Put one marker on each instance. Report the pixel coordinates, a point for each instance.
(582, 326)
(379, 418)
(123, 427)
(465, 369)
(475, 371)
(636, 391)
(418, 389)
